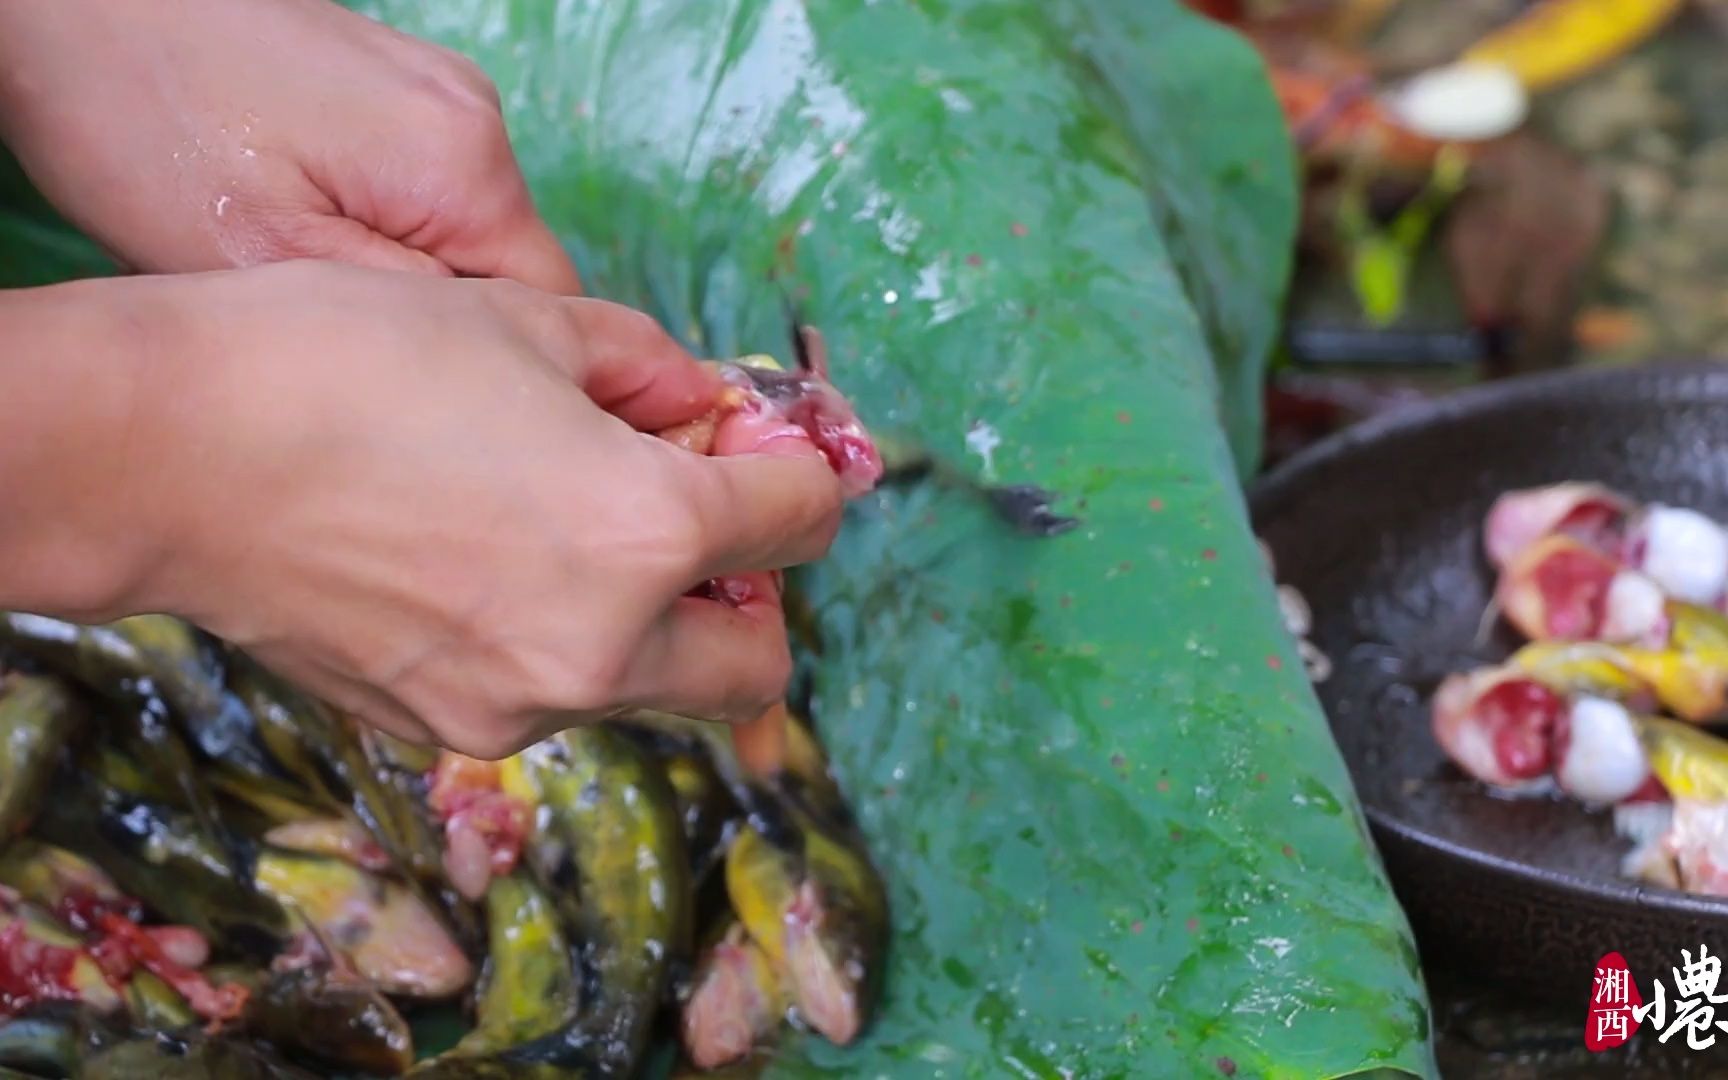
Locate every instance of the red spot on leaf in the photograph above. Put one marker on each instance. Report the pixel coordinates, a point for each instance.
(1274, 663)
(1136, 927)
(1122, 417)
(974, 259)
(1155, 505)
(1226, 1066)
(1018, 229)
(1176, 834)
(1287, 851)
(1163, 785)
(1259, 778)
(1192, 925)
(1210, 554)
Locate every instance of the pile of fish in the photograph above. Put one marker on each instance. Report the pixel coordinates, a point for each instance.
(1625, 608)
(206, 873)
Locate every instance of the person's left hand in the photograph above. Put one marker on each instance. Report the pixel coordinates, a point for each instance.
(208, 134)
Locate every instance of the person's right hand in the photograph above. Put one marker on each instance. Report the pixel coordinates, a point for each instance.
(432, 502)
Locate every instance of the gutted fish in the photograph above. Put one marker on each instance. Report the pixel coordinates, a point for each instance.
(1515, 732)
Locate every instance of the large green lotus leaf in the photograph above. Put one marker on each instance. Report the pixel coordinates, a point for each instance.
(1217, 165)
(36, 246)
(1046, 242)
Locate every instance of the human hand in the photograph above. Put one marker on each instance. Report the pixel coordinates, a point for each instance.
(434, 504)
(207, 134)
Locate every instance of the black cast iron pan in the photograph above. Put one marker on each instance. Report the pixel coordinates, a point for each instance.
(1380, 529)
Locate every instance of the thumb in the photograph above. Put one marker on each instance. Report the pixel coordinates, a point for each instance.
(775, 508)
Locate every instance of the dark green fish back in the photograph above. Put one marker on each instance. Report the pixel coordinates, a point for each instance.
(612, 854)
(38, 717)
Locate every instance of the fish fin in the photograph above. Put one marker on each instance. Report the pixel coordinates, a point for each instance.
(1027, 508)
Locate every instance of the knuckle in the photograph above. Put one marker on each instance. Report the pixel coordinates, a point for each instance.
(477, 128)
(541, 319)
(466, 117)
(582, 681)
(625, 322)
(487, 740)
(600, 328)
(763, 685)
(672, 544)
(474, 139)
(462, 73)
(592, 685)
(631, 329)
(550, 320)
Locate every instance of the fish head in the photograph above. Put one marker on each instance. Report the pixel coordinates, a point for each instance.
(827, 962)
